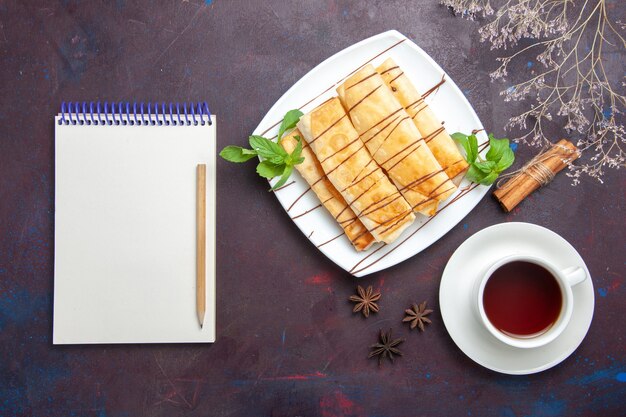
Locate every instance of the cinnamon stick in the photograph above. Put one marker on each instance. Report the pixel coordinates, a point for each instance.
(534, 175)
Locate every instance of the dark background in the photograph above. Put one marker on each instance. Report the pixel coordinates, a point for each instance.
(288, 344)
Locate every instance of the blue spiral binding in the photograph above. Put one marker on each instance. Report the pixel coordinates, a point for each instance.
(99, 113)
(85, 112)
(178, 113)
(69, 110)
(120, 113)
(193, 115)
(143, 116)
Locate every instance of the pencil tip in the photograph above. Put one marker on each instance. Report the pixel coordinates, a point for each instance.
(201, 324)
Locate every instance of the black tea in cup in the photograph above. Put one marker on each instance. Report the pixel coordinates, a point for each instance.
(522, 299)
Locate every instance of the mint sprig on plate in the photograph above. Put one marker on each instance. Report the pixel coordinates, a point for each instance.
(276, 162)
(499, 157)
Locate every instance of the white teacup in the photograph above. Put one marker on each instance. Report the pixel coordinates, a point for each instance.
(566, 278)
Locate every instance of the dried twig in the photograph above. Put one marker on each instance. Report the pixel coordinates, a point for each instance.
(572, 43)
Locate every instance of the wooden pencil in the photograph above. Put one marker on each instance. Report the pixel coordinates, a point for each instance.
(201, 243)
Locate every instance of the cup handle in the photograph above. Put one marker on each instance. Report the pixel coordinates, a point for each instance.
(574, 275)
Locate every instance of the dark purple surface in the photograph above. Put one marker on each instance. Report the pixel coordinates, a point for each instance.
(288, 344)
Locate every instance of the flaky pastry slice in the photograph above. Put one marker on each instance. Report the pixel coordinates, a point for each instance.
(331, 199)
(394, 141)
(352, 171)
(429, 125)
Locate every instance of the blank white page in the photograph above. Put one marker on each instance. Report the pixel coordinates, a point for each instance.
(125, 233)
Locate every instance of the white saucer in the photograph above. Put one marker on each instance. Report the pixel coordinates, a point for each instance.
(472, 259)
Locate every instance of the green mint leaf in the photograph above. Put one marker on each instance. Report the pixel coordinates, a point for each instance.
(473, 148)
(237, 154)
(268, 169)
(462, 140)
(469, 143)
(498, 158)
(298, 149)
(486, 166)
(294, 157)
(474, 174)
(292, 117)
(507, 159)
(497, 147)
(283, 179)
(459, 137)
(267, 149)
(489, 179)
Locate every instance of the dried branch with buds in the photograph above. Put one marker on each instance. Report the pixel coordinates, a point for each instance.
(574, 43)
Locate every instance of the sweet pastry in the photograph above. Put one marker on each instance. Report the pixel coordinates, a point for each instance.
(331, 199)
(394, 141)
(352, 171)
(429, 125)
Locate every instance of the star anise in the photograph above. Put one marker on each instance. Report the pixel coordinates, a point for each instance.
(365, 300)
(417, 316)
(386, 347)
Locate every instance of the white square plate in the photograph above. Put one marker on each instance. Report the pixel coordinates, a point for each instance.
(318, 85)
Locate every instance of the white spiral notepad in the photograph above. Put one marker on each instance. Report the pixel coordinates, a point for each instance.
(125, 223)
